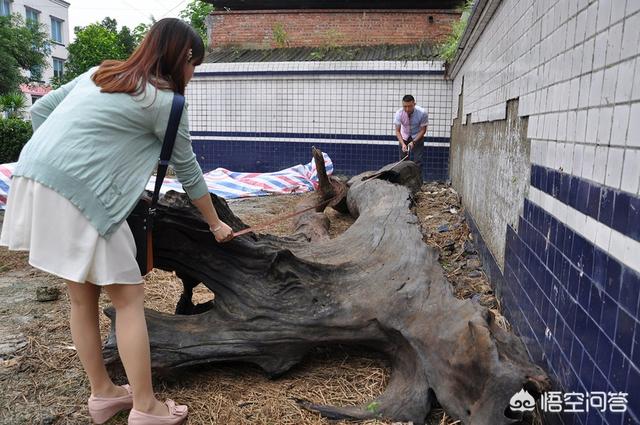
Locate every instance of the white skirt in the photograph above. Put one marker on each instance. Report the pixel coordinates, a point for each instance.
(61, 240)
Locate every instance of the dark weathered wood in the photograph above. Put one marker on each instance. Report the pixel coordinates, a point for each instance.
(377, 285)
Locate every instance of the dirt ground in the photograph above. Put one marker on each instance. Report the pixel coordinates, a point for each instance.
(41, 380)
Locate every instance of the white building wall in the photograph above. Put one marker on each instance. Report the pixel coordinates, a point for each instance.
(48, 8)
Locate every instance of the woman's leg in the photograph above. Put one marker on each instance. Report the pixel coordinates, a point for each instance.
(85, 332)
(133, 345)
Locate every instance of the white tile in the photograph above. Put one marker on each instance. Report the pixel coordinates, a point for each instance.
(631, 171)
(603, 237)
(590, 229)
(631, 36)
(587, 55)
(593, 117)
(600, 165)
(609, 85)
(574, 93)
(636, 82)
(576, 168)
(617, 245)
(620, 125)
(604, 14)
(604, 124)
(571, 126)
(581, 126)
(592, 16)
(631, 257)
(632, 6)
(600, 50)
(624, 81)
(614, 167)
(614, 43)
(587, 162)
(633, 134)
(595, 92)
(562, 126)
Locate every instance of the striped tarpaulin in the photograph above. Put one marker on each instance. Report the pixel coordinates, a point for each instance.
(225, 183)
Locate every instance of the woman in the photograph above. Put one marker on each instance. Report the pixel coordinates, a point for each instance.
(96, 142)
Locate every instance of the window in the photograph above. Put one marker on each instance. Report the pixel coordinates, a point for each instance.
(58, 67)
(5, 8)
(36, 73)
(56, 30)
(32, 15)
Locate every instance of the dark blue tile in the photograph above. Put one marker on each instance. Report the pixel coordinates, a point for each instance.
(604, 352)
(624, 332)
(633, 389)
(600, 267)
(614, 277)
(621, 212)
(594, 201)
(573, 191)
(583, 196)
(605, 215)
(584, 291)
(630, 290)
(634, 218)
(619, 370)
(586, 372)
(563, 194)
(574, 282)
(596, 301)
(556, 185)
(609, 317)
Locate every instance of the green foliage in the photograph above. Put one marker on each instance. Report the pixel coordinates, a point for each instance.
(373, 407)
(330, 44)
(22, 47)
(280, 35)
(196, 14)
(14, 133)
(142, 29)
(13, 104)
(94, 44)
(449, 48)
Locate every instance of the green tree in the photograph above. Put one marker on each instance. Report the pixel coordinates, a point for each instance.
(142, 29)
(22, 47)
(196, 14)
(95, 43)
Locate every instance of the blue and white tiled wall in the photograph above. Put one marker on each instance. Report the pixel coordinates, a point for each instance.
(266, 116)
(572, 260)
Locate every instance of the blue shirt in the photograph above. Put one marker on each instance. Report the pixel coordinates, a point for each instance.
(410, 125)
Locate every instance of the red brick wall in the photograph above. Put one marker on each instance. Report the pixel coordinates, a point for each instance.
(320, 28)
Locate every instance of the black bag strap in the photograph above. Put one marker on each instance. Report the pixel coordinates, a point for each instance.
(167, 145)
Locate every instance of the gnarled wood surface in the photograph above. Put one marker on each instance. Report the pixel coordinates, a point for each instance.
(377, 285)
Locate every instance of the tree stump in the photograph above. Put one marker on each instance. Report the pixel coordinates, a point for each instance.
(377, 285)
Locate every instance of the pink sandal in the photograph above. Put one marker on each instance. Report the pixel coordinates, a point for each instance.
(102, 409)
(177, 416)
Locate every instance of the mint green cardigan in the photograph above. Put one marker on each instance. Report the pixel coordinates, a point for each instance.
(99, 149)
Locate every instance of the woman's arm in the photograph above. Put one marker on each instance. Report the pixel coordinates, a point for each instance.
(41, 110)
(184, 163)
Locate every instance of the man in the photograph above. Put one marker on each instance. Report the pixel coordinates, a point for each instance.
(411, 126)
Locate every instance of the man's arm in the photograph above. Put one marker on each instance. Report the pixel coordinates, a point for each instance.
(420, 135)
(400, 139)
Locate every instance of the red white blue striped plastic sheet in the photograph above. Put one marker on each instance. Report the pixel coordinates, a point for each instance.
(225, 183)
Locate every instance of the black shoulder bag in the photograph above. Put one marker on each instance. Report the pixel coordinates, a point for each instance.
(141, 218)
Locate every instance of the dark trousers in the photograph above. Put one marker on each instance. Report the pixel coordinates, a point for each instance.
(416, 153)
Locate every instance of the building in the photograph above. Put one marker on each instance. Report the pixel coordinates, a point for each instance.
(545, 152)
(283, 76)
(315, 23)
(54, 15)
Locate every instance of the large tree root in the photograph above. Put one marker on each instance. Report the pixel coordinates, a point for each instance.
(377, 285)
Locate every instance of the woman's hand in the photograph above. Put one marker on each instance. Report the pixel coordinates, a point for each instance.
(222, 232)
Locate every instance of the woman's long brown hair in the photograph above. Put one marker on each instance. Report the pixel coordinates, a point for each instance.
(159, 60)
